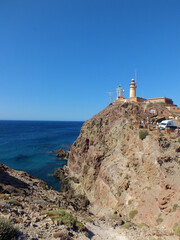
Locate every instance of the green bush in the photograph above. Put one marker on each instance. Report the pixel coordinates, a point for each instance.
(159, 220)
(171, 137)
(161, 135)
(126, 225)
(7, 230)
(141, 225)
(13, 202)
(132, 214)
(143, 134)
(153, 119)
(176, 229)
(175, 206)
(62, 217)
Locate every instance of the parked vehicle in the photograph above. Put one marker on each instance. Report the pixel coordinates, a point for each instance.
(173, 127)
(166, 123)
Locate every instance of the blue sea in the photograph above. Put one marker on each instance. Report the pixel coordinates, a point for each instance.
(30, 146)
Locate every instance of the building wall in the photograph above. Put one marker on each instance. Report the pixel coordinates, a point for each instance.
(170, 106)
(132, 99)
(163, 99)
(174, 109)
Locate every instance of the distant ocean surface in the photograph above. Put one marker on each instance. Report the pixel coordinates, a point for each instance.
(30, 146)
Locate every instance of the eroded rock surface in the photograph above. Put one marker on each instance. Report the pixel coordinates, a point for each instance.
(117, 185)
(26, 201)
(120, 173)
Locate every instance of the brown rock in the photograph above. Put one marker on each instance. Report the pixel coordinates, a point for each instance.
(113, 165)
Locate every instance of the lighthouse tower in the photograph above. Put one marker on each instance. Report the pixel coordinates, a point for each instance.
(132, 87)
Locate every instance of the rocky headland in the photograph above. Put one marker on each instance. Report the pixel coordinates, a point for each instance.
(121, 182)
(127, 177)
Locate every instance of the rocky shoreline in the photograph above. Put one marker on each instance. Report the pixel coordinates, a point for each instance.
(29, 203)
(121, 182)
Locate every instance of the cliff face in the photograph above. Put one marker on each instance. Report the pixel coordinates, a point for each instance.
(122, 174)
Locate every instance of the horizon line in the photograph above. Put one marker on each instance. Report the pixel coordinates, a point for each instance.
(20, 120)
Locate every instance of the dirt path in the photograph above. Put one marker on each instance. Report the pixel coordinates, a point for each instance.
(104, 232)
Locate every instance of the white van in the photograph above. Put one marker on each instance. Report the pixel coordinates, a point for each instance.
(165, 123)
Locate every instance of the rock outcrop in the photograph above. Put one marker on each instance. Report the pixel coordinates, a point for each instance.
(116, 179)
(29, 203)
(62, 154)
(42, 213)
(121, 174)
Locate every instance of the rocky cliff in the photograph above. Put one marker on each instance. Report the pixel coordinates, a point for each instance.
(38, 211)
(123, 175)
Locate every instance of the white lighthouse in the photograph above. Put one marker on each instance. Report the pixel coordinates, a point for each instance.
(132, 87)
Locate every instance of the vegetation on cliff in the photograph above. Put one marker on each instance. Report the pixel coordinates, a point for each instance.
(7, 230)
(60, 216)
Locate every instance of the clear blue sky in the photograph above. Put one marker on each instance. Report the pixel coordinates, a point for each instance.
(58, 58)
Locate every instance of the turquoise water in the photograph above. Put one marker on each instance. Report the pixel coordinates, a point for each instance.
(30, 146)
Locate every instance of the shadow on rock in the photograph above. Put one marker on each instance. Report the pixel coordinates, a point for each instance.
(6, 179)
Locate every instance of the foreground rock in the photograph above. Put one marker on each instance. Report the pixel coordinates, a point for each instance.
(32, 205)
(134, 180)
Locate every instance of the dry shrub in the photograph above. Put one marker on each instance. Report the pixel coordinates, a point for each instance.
(62, 235)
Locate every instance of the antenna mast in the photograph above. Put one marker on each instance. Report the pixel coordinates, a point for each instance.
(120, 91)
(135, 76)
(110, 96)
